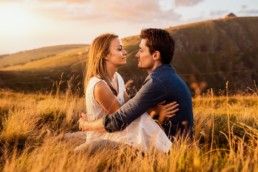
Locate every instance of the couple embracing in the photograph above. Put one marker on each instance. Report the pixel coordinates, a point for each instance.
(112, 116)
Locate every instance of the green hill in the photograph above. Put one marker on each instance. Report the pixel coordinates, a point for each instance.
(207, 55)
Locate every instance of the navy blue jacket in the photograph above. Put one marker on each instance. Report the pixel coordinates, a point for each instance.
(162, 84)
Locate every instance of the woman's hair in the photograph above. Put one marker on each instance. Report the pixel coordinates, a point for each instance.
(99, 49)
(159, 40)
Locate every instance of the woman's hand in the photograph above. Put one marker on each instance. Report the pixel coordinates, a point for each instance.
(167, 111)
(164, 111)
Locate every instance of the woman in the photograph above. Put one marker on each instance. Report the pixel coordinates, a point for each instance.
(105, 93)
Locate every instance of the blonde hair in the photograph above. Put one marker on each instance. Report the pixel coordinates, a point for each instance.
(99, 49)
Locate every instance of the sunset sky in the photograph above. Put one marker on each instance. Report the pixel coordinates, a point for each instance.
(29, 24)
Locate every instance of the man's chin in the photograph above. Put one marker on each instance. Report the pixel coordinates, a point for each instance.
(139, 67)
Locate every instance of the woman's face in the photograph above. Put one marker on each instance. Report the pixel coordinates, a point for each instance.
(117, 54)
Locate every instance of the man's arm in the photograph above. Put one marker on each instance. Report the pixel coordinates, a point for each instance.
(151, 93)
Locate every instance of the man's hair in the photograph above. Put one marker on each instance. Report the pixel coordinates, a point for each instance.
(159, 40)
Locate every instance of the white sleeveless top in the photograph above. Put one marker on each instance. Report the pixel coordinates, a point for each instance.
(142, 133)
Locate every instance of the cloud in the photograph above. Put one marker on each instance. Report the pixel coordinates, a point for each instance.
(249, 11)
(244, 6)
(219, 13)
(138, 11)
(187, 2)
(66, 1)
(5, 1)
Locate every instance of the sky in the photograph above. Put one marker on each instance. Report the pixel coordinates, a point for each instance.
(30, 24)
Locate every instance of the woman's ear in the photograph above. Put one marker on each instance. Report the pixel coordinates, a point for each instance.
(106, 58)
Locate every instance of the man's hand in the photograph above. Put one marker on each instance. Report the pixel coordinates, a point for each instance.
(84, 116)
(83, 122)
(85, 125)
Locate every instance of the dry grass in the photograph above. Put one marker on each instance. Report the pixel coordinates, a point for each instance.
(32, 126)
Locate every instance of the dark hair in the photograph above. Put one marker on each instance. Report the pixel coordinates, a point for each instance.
(159, 40)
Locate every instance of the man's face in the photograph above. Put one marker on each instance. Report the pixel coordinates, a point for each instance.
(145, 59)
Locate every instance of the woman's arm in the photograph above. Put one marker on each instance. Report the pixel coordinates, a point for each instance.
(106, 99)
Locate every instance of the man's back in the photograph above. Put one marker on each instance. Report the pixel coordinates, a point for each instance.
(175, 89)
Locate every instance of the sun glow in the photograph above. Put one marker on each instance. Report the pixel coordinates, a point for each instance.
(16, 20)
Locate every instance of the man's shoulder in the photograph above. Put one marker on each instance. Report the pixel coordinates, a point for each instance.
(163, 72)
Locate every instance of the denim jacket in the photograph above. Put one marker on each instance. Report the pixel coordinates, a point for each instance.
(162, 84)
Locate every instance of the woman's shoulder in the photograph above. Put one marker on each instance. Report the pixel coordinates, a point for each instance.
(95, 81)
(119, 77)
(101, 86)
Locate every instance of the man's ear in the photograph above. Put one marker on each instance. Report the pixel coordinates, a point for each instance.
(156, 55)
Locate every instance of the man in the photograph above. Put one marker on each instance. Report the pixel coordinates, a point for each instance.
(162, 84)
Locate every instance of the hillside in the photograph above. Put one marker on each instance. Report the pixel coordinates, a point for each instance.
(218, 51)
(210, 53)
(45, 74)
(36, 54)
(207, 55)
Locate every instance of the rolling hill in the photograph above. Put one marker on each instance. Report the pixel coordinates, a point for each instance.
(218, 51)
(207, 55)
(45, 73)
(210, 53)
(36, 54)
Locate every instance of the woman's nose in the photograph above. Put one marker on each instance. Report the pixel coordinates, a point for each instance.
(137, 55)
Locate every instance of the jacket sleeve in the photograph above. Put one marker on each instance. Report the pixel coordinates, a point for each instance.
(148, 96)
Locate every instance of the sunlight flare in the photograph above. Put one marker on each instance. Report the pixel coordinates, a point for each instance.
(16, 19)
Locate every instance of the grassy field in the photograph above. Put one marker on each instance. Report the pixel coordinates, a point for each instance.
(32, 127)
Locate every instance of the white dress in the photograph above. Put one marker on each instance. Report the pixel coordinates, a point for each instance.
(142, 133)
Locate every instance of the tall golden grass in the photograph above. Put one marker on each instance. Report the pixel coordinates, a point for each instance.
(32, 128)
